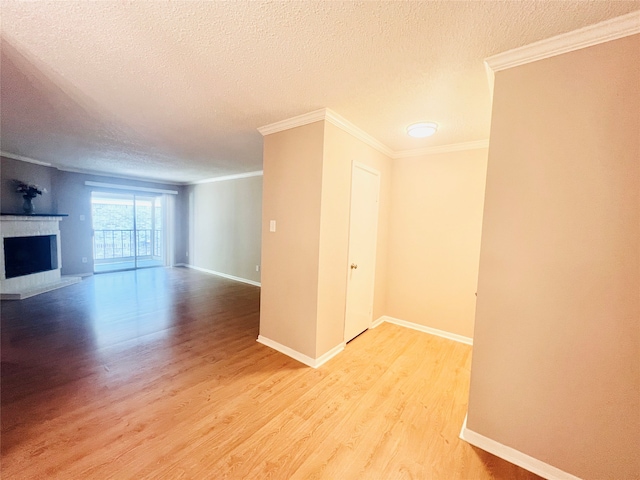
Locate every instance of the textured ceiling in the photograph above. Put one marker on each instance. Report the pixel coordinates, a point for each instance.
(176, 90)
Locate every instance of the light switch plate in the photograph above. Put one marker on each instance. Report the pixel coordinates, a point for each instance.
(272, 226)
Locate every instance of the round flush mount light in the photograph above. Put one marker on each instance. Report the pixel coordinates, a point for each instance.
(422, 130)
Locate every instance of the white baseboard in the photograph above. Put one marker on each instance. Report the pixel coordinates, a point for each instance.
(322, 359)
(81, 275)
(422, 328)
(377, 323)
(513, 456)
(301, 357)
(219, 274)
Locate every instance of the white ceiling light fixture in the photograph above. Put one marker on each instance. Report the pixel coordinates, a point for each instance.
(422, 130)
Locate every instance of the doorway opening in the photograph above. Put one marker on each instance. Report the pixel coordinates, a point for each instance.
(128, 231)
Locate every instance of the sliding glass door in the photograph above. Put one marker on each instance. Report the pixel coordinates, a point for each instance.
(128, 231)
(149, 244)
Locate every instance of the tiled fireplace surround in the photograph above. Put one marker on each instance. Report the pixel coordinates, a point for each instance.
(26, 286)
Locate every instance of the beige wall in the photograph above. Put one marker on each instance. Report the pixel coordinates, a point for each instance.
(341, 149)
(556, 370)
(307, 185)
(434, 239)
(292, 183)
(226, 225)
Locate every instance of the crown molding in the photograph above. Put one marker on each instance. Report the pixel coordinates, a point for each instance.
(118, 186)
(24, 159)
(454, 147)
(293, 122)
(331, 117)
(227, 177)
(602, 32)
(98, 173)
(83, 171)
(344, 124)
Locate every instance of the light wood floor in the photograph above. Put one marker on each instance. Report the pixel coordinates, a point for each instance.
(157, 374)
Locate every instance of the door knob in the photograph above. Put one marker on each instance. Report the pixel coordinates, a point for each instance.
(354, 266)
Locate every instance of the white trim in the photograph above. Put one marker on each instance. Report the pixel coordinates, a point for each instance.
(301, 357)
(368, 169)
(453, 147)
(345, 125)
(129, 187)
(491, 80)
(24, 159)
(97, 173)
(219, 274)
(513, 456)
(602, 32)
(377, 323)
(422, 328)
(378, 177)
(79, 275)
(348, 127)
(84, 171)
(227, 177)
(297, 121)
(324, 358)
(331, 117)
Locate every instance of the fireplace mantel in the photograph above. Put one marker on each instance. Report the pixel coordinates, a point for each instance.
(20, 225)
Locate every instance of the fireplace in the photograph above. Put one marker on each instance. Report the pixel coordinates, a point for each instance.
(26, 255)
(30, 255)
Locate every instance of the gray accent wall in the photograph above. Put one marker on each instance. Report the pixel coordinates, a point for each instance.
(10, 199)
(68, 194)
(74, 198)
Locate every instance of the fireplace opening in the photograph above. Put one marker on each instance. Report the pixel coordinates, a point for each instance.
(27, 255)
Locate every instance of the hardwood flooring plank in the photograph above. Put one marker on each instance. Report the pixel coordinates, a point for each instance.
(157, 374)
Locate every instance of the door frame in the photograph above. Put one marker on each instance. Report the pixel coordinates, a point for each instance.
(355, 165)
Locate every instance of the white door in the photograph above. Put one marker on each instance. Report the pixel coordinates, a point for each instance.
(363, 233)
